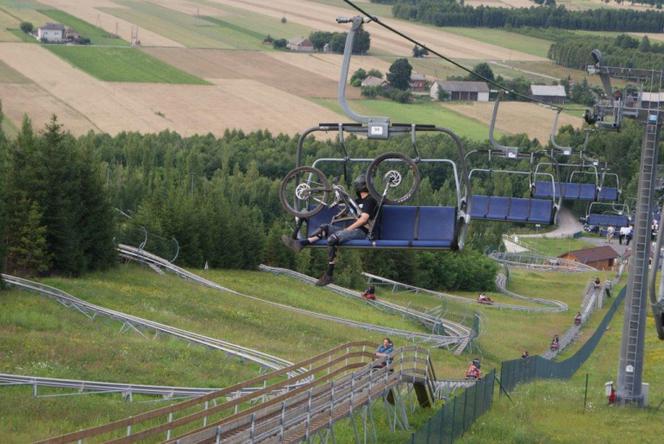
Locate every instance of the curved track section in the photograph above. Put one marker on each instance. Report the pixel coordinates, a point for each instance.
(135, 322)
(82, 386)
(340, 383)
(430, 321)
(532, 261)
(152, 260)
(451, 297)
(553, 305)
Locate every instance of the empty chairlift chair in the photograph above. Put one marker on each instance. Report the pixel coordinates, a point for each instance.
(608, 215)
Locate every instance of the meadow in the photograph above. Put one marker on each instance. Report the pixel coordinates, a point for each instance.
(554, 247)
(511, 40)
(424, 113)
(122, 65)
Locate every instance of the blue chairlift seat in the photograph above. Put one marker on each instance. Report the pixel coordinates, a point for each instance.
(569, 190)
(608, 194)
(512, 209)
(606, 220)
(400, 227)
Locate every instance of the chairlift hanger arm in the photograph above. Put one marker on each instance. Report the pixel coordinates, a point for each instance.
(510, 151)
(379, 125)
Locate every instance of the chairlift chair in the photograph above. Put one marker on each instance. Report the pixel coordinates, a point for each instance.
(604, 214)
(509, 208)
(305, 191)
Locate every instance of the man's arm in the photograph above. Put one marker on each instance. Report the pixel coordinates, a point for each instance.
(360, 222)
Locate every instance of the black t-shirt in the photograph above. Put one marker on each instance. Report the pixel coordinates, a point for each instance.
(370, 206)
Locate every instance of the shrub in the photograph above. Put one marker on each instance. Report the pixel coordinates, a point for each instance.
(26, 27)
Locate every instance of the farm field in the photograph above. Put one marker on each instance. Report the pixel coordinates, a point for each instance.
(505, 39)
(96, 35)
(90, 11)
(8, 22)
(516, 117)
(217, 65)
(122, 65)
(425, 113)
(115, 107)
(23, 11)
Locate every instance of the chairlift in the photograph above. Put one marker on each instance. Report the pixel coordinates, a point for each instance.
(572, 187)
(603, 214)
(511, 208)
(392, 179)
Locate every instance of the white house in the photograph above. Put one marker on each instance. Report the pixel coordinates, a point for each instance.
(51, 32)
(461, 90)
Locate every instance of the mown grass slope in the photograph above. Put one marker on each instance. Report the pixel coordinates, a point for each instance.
(122, 65)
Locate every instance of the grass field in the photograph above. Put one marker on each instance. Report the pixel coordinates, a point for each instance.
(506, 39)
(235, 29)
(554, 247)
(96, 35)
(425, 113)
(23, 11)
(552, 411)
(122, 65)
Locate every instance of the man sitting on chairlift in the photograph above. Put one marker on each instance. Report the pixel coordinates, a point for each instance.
(336, 233)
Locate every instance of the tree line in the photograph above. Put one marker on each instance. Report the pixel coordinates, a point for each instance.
(623, 50)
(452, 13)
(218, 196)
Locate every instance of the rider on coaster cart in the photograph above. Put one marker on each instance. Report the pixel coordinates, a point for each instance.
(337, 233)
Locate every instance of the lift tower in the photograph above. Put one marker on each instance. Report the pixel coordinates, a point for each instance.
(608, 114)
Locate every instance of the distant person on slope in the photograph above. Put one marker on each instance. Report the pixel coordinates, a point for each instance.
(336, 234)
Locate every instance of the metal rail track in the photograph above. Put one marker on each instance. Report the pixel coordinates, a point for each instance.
(135, 322)
(347, 380)
(553, 306)
(146, 258)
(430, 321)
(532, 261)
(450, 297)
(82, 386)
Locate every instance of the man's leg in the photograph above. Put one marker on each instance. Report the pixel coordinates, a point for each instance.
(337, 236)
(296, 245)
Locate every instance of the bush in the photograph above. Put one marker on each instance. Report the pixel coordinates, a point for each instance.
(26, 27)
(280, 43)
(372, 91)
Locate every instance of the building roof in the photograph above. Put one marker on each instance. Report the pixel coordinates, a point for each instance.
(53, 27)
(463, 86)
(300, 41)
(373, 81)
(595, 254)
(417, 76)
(548, 90)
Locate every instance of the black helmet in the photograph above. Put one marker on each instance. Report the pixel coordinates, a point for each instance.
(360, 183)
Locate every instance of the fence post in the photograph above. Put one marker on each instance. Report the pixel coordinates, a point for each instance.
(463, 414)
(585, 395)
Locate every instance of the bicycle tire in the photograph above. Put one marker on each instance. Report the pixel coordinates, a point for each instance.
(373, 168)
(285, 195)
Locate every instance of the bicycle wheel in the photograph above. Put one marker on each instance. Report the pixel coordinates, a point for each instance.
(394, 174)
(304, 191)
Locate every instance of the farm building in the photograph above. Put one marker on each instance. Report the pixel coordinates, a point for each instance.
(461, 90)
(51, 32)
(548, 93)
(602, 258)
(300, 44)
(418, 82)
(374, 81)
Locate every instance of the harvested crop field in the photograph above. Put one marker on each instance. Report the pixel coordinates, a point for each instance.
(217, 64)
(87, 11)
(329, 65)
(116, 107)
(319, 16)
(517, 117)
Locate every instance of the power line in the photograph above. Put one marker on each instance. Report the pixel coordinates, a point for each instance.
(447, 59)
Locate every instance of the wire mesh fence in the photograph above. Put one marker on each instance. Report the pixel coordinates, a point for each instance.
(519, 371)
(458, 414)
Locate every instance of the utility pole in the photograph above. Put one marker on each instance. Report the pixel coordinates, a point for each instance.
(630, 366)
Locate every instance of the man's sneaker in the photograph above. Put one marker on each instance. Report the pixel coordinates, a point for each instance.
(291, 243)
(324, 280)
